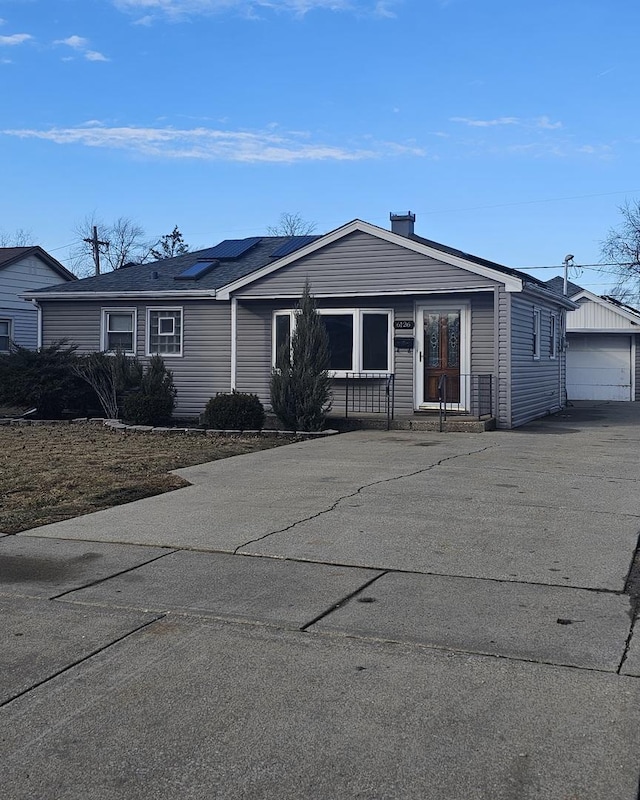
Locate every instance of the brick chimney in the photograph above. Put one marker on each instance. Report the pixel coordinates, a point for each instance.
(402, 224)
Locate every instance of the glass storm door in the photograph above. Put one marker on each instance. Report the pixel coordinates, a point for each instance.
(441, 354)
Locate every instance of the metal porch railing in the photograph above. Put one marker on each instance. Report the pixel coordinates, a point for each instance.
(472, 396)
(369, 393)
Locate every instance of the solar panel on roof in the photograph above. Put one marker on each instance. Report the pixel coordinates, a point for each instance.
(233, 248)
(293, 244)
(196, 271)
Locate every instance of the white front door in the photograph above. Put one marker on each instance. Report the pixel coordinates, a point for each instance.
(443, 354)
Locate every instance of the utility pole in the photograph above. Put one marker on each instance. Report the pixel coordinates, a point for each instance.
(96, 244)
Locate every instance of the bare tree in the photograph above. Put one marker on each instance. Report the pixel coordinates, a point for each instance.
(115, 245)
(19, 238)
(621, 251)
(170, 245)
(291, 225)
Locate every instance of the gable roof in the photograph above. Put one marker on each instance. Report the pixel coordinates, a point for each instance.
(235, 263)
(12, 255)
(513, 279)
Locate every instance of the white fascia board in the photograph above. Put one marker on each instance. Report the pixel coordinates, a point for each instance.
(585, 294)
(42, 296)
(422, 292)
(613, 331)
(511, 283)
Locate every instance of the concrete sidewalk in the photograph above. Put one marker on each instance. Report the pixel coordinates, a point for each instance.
(375, 615)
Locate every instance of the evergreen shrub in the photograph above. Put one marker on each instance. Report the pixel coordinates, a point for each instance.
(44, 379)
(300, 386)
(154, 401)
(234, 412)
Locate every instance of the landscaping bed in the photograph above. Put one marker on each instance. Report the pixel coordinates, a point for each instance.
(54, 472)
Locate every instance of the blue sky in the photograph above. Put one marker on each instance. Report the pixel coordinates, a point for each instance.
(511, 128)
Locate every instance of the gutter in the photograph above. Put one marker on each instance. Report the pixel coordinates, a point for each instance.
(549, 294)
(42, 296)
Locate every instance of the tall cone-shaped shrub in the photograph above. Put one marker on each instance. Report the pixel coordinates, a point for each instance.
(300, 385)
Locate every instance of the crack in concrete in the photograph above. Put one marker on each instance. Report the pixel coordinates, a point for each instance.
(78, 661)
(344, 600)
(632, 588)
(357, 492)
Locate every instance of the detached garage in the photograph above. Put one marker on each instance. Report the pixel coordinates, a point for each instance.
(603, 347)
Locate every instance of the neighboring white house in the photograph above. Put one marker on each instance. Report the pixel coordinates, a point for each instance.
(603, 355)
(23, 269)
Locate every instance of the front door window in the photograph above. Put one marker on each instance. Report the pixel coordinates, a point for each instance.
(442, 355)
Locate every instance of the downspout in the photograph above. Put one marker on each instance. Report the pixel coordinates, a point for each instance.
(234, 345)
(39, 310)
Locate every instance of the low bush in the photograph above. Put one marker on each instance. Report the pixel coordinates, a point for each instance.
(154, 401)
(234, 412)
(111, 377)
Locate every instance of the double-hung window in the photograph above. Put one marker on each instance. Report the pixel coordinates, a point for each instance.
(164, 331)
(119, 330)
(5, 335)
(360, 340)
(536, 334)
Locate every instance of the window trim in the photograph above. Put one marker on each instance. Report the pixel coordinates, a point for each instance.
(9, 334)
(357, 315)
(104, 332)
(553, 336)
(537, 326)
(173, 309)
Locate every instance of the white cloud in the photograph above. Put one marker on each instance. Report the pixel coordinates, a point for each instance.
(81, 45)
(175, 9)
(15, 38)
(216, 145)
(94, 55)
(546, 124)
(77, 42)
(486, 123)
(543, 122)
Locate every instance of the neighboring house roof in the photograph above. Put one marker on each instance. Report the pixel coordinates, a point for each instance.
(610, 304)
(557, 284)
(220, 270)
(12, 255)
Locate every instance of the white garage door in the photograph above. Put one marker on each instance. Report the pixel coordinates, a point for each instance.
(599, 367)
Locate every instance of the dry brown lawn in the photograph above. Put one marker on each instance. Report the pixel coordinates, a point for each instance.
(54, 472)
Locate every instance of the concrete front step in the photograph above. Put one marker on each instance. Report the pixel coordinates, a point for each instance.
(414, 422)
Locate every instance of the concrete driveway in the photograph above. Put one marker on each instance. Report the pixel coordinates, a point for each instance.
(373, 615)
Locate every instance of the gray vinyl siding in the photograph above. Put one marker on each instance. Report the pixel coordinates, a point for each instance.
(204, 368)
(536, 385)
(25, 275)
(363, 260)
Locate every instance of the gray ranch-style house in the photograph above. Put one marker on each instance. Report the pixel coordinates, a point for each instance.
(396, 306)
(23, 269)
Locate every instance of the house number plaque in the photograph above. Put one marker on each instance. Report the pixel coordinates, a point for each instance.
(403, 324)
